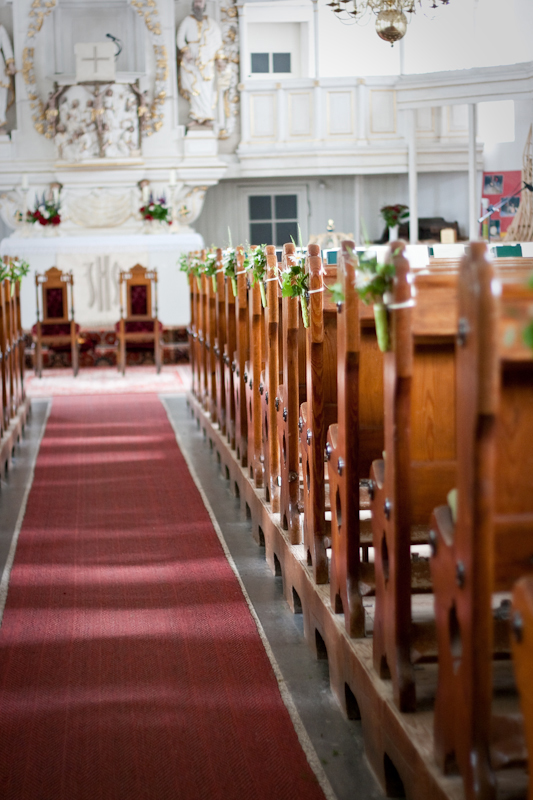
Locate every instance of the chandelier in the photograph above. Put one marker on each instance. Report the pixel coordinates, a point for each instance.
(392, 16)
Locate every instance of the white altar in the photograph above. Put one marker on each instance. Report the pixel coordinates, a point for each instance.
(96, 262)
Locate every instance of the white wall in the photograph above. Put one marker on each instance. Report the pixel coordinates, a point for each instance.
(461, 35)
(440, 195)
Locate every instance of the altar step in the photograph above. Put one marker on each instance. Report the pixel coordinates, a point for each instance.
(99, 347)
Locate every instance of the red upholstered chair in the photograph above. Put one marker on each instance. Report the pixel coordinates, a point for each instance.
(138, 313)
(55, 329)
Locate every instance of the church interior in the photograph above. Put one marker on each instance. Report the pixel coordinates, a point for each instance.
(266, 420)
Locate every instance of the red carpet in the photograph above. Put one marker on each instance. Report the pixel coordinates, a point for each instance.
(130, 665)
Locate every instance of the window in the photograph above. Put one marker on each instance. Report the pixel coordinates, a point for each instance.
(271, 62)
(273, 218)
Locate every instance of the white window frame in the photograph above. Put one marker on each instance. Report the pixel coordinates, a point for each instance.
(301, 192)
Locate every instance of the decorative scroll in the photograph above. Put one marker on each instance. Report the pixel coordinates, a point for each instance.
(44, 116)
(228, 83)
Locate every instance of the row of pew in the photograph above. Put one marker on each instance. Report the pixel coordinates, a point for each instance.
(14, 404)
(407, 476)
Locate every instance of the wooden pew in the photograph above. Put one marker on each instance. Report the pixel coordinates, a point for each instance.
(15, 345)
(489, 545)
(220, 343)
(289, 396)
(240, 358)
(353, 443)
(270, 380)
(210, 354)
(252, 381)
(20, 335)
(202, 337)
(522, 645)
(5, 346)
(230, 346)
(320, 409)
(419, 466)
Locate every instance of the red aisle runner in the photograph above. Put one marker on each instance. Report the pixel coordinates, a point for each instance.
(130, 665)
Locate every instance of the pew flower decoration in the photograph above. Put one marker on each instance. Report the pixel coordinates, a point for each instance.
(46, 212)
(14, 269)
(373, 282)
(230, 267)
(191, 265)
(295, 283)
(210, 267)
(257, 265)
(157, 210)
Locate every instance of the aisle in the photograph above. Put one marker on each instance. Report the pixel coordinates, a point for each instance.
(130, 665)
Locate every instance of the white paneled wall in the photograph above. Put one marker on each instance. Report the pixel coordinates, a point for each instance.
(440, 195)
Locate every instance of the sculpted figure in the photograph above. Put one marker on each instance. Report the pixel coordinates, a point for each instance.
(7, 70)
(199, 46)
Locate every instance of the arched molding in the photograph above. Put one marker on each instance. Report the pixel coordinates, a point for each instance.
(43, 116)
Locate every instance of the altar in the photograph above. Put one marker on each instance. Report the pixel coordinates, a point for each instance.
(96, 261)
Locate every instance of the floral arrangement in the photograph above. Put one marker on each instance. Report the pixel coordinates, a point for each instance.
(295, 283)
(257, 265)
(393, 215)
(46, 212)
(157, 210)
(373, 282)
(230, 267)
(192, 265)
(14, 269)
(210, 267)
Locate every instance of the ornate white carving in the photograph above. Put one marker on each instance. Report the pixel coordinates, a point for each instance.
(228, 75)
(150, 112)
(95, 122)
(100, 208)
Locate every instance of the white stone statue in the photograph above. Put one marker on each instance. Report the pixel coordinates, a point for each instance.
(199, 45)
(7, 70)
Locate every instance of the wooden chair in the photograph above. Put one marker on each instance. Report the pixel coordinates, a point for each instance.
(55, 328)
(488, 546)
(138, 323)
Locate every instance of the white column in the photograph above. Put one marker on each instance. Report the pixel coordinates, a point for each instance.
(473, 200)
(413, 176)
(357, 187)
(315, 22)
(243, 43)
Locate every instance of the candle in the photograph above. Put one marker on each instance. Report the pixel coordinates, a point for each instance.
(25, 182)
(145, 194)
(172, 177)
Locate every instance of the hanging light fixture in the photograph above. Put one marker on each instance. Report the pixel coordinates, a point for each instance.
(392, 16)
